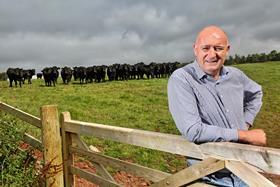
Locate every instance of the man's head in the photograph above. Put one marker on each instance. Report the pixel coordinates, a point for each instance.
(211, 48)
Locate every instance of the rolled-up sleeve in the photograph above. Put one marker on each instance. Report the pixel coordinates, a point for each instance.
(183, 107)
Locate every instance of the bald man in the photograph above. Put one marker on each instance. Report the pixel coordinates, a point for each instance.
(212, 103)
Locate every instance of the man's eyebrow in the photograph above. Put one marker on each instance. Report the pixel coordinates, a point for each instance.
(215, 46)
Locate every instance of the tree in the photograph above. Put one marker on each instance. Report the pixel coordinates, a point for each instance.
(272, 55)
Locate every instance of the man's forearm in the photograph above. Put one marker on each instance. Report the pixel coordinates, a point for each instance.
(254, 137)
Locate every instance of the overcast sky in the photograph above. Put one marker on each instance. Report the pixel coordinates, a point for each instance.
(40, 33)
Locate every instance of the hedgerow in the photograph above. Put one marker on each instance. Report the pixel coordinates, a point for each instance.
(16, 166)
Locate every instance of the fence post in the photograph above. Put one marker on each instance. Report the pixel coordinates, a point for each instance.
(51, 140)
(68, 158)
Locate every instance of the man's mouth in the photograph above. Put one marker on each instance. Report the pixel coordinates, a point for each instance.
(212, 61)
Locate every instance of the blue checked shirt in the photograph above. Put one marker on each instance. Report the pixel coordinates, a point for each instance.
(208, 110)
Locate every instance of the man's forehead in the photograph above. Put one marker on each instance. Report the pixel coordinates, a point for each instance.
(213, 39)
(216, 35)
(212, 33)
(211, 45)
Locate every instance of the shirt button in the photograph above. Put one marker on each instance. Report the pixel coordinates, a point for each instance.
(221, 96)
(227, 110)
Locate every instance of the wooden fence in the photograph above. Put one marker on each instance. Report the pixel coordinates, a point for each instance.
(61, 140)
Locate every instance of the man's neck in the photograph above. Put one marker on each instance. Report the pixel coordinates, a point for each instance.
(216, 76)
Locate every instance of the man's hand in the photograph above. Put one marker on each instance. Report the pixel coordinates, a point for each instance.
(254, 137)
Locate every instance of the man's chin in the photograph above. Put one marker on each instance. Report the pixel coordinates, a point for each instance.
(212, 69)
(212, 66)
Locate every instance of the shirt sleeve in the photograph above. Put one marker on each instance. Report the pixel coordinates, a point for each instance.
(183, 107)
(252, 99)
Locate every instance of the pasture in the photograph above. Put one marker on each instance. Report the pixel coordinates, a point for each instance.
(140, 104)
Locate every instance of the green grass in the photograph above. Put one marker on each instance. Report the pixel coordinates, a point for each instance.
(139, 104)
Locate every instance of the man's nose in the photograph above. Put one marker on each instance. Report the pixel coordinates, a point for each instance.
(212, 53)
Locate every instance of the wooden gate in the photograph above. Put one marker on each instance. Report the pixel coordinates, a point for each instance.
(245, 161)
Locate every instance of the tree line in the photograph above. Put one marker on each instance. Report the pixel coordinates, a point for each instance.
(253, 58)
(3, 76)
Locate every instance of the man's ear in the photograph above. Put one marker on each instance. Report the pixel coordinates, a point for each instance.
(194, 49)
(228, 48)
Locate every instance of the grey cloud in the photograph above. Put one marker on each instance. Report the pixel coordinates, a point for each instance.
(41, 33)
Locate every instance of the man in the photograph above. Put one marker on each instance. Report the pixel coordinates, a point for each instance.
(210, 102)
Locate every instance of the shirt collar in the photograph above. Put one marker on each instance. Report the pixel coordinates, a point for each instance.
(201, 74)
(224, 71)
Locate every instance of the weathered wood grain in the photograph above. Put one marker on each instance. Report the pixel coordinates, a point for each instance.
(52, 145)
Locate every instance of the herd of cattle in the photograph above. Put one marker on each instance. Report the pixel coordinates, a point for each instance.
(94, 73)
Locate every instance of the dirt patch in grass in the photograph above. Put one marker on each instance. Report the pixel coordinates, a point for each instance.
(121, 177)
(273, 178)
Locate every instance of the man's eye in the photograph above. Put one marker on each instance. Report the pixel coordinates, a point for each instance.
(205, 48)
(219, 48)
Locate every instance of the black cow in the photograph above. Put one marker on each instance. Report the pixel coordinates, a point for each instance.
(154, 70)
(80, 73)
(28, 74)
(75, 73)
(50, 75)
(55, 72)
(140, 70)
(111, 72)
(117, 67)
(124, 70)
(66, 74)
(16, 75)
(39, 75)
(174, 66)
(100, 73)
(133, 72)
(90, 73)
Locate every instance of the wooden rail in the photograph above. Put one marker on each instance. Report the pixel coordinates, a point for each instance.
(21, 115)
(267, 159)
(61, 141)
(164, 142)
(33, 141)
(33, 120)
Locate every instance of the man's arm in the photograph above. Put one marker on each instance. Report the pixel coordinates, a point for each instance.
(252, 98)
(184, 110)
(252, 104)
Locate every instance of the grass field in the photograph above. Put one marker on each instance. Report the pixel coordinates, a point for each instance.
(140, 104)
